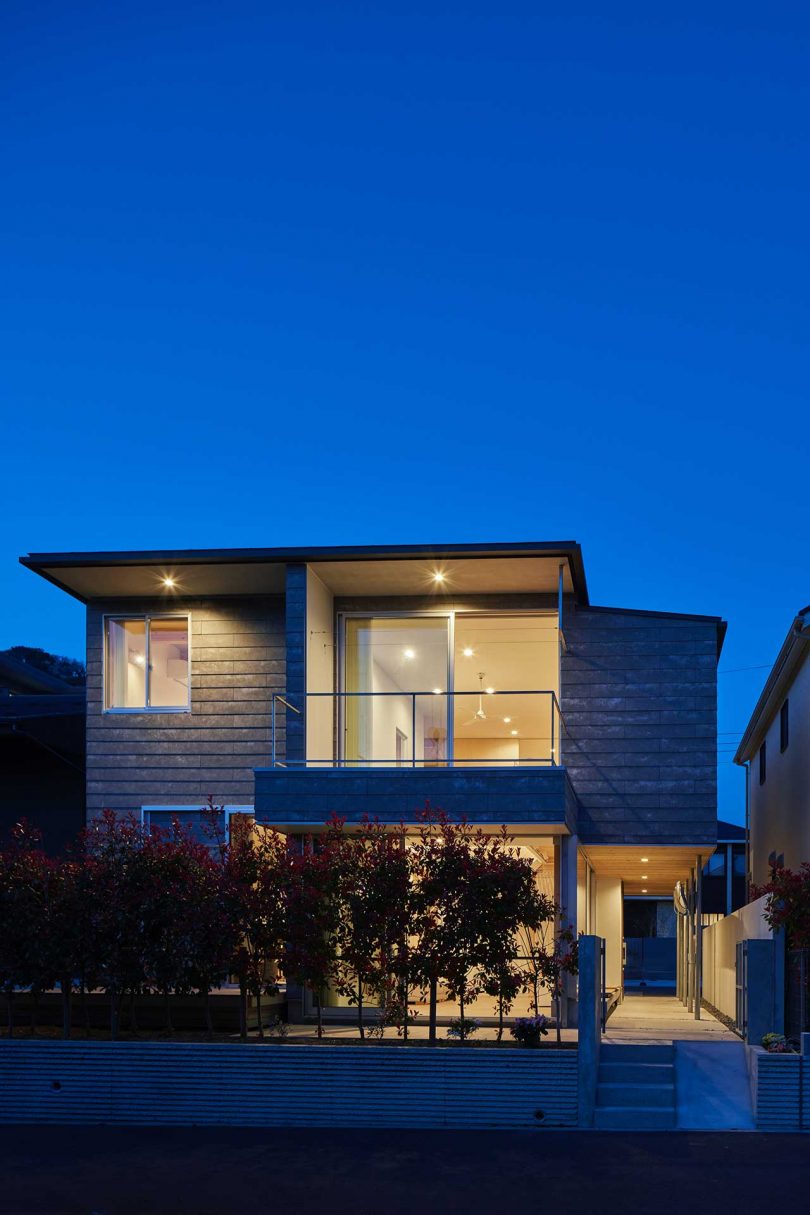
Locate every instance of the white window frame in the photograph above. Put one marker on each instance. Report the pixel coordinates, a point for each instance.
(147, 617)
(188, 808)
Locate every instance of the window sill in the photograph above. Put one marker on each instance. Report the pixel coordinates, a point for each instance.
(151, 710)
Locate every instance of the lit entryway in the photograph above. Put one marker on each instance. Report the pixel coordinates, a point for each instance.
(653, 1018)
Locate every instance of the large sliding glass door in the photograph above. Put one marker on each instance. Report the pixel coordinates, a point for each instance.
(395, 708)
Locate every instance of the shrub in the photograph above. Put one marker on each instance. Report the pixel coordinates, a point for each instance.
(527, 1031)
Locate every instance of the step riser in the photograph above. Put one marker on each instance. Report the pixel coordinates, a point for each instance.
(607, 1118)
(636, 1053)
(637, 1096)
(636, 1073)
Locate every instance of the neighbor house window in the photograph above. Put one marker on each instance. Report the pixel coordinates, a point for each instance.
(762, 764)
(146, 663)
(784, 727)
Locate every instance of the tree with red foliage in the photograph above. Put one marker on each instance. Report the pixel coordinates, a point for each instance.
(373, 893)
(27, 958)
(313, 912)
(788, 904)
(255, 877)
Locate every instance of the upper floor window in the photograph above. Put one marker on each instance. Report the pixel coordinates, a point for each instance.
(784, 727)
(146, 663)
(762, 764)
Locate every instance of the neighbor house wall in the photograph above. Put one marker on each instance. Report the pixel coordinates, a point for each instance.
(780, 808)
(180, 758)
(639, 696)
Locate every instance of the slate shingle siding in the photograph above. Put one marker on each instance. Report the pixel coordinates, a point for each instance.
(237, 662)
(639, 695)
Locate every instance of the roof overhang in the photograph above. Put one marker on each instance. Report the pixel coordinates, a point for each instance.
(647, 869)
(531, 567)
(791, 656)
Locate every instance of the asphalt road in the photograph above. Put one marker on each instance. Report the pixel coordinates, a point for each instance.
(129, 1171)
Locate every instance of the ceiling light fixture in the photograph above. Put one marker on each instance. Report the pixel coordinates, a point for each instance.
(467, 652)
(513, 731)
(506, 720)
(438, 576)
(437, 691)
(140, 660)
(490, 691)
(168, 582)
(643, 877)
(643, 889)
(644, 860)
(409, 653)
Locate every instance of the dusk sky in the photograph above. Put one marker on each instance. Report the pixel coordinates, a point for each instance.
(332, 274)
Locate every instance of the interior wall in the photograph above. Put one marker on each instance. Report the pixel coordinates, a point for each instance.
(320, 669)
(610, 925)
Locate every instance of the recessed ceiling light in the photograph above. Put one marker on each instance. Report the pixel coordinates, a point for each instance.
(506, 720)
(513, 731)
(643, 877)
(438, 576)
(168, 582)
(139, 658)
(644, 860)
(467, 652)
(643, 889)
(437, 691)
(489, 691)
(409, 653)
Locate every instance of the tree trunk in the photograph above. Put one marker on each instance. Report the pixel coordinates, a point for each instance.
(360, 1025)
(432, 1013)
(463, 1036)
(558, 1008)
(500, 1016)
(209, 1024)
(259, 1011)
(319, 1010)
(242, 1010)
(66, 984)
(85, 1010)
(115, 1012)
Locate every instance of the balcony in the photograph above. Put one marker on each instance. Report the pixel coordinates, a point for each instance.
(493, 756)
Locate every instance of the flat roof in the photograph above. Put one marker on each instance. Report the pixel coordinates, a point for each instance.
(256, 571)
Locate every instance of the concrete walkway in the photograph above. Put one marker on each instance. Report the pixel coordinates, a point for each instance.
(657, 1018)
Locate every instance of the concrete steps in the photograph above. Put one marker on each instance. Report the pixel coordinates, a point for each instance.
(636, 1087)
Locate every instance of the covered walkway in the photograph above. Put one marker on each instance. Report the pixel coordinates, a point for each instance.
(659, 1018)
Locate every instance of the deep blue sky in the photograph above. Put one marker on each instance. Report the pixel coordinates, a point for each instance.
(359, 273)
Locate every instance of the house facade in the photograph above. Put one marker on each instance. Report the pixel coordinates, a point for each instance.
(775, 754)
(293, 684)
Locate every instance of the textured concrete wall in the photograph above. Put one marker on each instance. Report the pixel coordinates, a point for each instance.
(639, 695)
(154, 758)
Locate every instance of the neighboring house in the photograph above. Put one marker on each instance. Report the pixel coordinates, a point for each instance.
(292, 684)
(775, 750)
(42, 773)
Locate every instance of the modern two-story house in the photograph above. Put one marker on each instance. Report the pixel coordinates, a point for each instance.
(291, 684)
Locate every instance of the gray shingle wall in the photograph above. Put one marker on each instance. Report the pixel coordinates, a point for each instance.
(237, 662)
(639, 695)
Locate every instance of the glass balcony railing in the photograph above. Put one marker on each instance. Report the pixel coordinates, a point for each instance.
(423, 729)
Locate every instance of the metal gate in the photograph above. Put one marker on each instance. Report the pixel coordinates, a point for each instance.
(741, 1001)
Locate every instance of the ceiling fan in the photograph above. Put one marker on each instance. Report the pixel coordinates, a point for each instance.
(479, 714)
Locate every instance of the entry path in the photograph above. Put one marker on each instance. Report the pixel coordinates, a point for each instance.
(656, 1018)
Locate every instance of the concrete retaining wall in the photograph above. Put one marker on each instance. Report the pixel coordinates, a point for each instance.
(179, 1084)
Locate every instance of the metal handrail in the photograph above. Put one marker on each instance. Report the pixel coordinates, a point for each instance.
(337, 697)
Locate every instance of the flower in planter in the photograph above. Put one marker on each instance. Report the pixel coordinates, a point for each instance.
(527, 1031)
(777, 1044)
(463, 1027)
